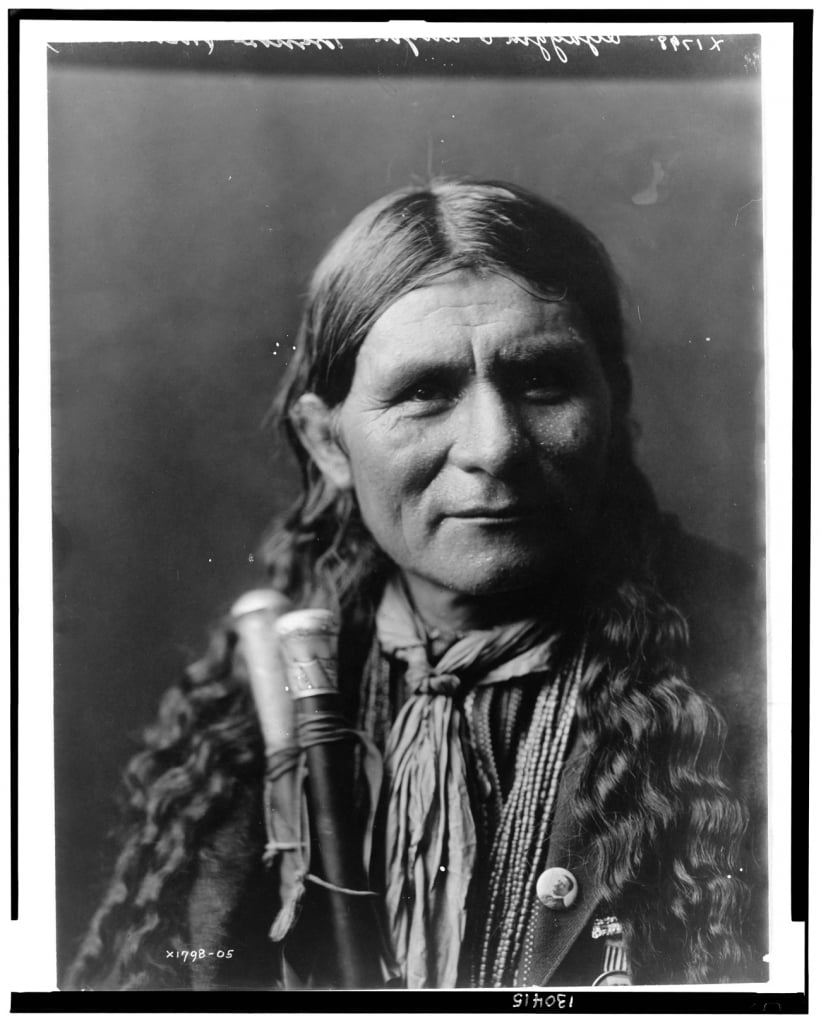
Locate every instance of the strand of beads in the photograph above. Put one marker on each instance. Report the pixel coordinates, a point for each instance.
(522, 832)
(510, 714)
(552, 775)
(502, 881)
(484, 748)
(541, 787)
(523, 822)
(524, 808)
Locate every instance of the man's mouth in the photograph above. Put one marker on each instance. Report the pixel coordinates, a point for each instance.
(499, 513)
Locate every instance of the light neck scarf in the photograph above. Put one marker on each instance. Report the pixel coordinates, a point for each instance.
(430, 831)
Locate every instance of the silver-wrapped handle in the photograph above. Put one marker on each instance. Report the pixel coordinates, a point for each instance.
(308, 640)
(254, 616)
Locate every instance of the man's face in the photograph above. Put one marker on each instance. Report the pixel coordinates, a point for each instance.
(476, 430)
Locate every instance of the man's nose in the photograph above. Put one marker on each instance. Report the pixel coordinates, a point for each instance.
(488, 432)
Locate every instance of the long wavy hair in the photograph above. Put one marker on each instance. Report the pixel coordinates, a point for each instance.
(664, 829)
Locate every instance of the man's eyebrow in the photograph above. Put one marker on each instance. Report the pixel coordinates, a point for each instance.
(549, 347)
(391, 371)
(394, 375)
(546, 342)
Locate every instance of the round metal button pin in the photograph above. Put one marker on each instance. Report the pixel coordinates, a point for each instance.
(557, 889)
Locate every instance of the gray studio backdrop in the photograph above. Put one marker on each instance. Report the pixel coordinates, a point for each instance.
(188, 208)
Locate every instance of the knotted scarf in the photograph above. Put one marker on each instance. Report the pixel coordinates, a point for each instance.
(430, 831)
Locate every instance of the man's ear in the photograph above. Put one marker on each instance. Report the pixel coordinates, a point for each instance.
(313, 422)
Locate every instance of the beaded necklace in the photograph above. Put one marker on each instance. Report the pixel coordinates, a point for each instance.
(517, 822)
(520, 821)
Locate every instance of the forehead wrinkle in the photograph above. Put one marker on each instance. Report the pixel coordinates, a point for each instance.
(543, 311)
(522, 340)
(449, 322)
(529, 324)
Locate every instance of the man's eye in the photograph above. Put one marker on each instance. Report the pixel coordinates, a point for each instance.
(544, 388)
(428, 393)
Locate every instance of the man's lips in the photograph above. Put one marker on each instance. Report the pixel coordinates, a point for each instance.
(500, 512)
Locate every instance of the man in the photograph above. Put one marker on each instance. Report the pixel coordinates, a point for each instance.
(546, 663)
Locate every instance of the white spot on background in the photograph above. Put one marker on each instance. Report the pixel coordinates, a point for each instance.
(650, 195)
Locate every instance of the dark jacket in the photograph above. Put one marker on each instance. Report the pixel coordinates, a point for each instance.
(233, 899)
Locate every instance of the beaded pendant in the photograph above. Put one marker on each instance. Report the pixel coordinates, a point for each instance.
(616, 960)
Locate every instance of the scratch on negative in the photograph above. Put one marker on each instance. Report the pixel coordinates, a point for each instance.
(744, 207)
(52, 48)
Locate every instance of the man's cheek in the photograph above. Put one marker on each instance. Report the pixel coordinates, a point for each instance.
(381, 511)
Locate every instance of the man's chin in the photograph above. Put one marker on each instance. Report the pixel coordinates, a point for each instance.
(475, 576)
